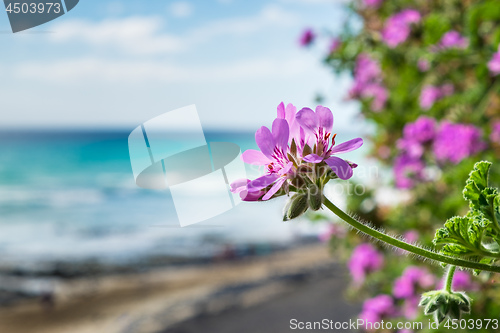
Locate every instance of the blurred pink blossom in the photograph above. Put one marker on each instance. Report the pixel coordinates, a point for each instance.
(379, 94)
(307, 38)
(397, 27)
(407, 170)
(455, 142)
(410, 307)
(376, 309)
(422, 130)
(462, 281)
(431, 94)
(364, 259)
(453, 39)
(409, 166)
(413, 278)
(495, 133)
(367, 82)
(494, 63)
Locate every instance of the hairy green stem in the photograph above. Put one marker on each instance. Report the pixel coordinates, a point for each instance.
(449, 277)
(405, 246)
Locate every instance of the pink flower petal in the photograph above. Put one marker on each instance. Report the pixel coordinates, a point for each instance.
(341, 168)
(265, 141)
(325, 117)
(251, 196)
(285, 169)
(290, 112)
(239, 185)
(308, 120)
(261, 182)
(347, 146)
(313, 158)
(281, 132)
(274, 189)
(255, 157)
(281, 110)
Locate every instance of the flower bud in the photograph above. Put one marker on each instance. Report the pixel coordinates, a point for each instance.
(297, 206)
(315, 197)
(445, 304)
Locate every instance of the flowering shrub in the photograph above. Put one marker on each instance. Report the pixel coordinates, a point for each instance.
(426, 75)
(445, 143)
(298, 155)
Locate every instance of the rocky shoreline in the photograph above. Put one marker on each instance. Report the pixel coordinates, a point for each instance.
(158, 299)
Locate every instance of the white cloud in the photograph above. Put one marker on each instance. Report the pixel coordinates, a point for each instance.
(181, 9)
(80, 70)
(269, 16)
(136, 35)
(146, 35)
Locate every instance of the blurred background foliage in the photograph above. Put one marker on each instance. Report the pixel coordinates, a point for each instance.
(412, 46)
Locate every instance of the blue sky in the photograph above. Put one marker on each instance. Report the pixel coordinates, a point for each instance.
(119, 63)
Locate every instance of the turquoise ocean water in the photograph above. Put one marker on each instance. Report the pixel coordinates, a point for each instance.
(69, 196)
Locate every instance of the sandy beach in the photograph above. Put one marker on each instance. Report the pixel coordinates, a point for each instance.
(310, 301)
(303, 282)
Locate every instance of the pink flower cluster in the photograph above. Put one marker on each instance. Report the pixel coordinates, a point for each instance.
(448, 142)
(409, 166)
(296, 142)
(494, 63)
(376, 309)
(367, 82)
(364, 259)
(455, 142)
(398, 27)
(408, 287)
(431, 94)
(452, 40)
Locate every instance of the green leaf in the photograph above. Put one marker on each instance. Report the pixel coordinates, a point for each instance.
(462, 236)
(477, 182)
(476, 235)
(489, 203)
(481, 197)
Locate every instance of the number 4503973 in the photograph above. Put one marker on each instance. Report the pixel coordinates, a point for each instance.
(33, 8)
